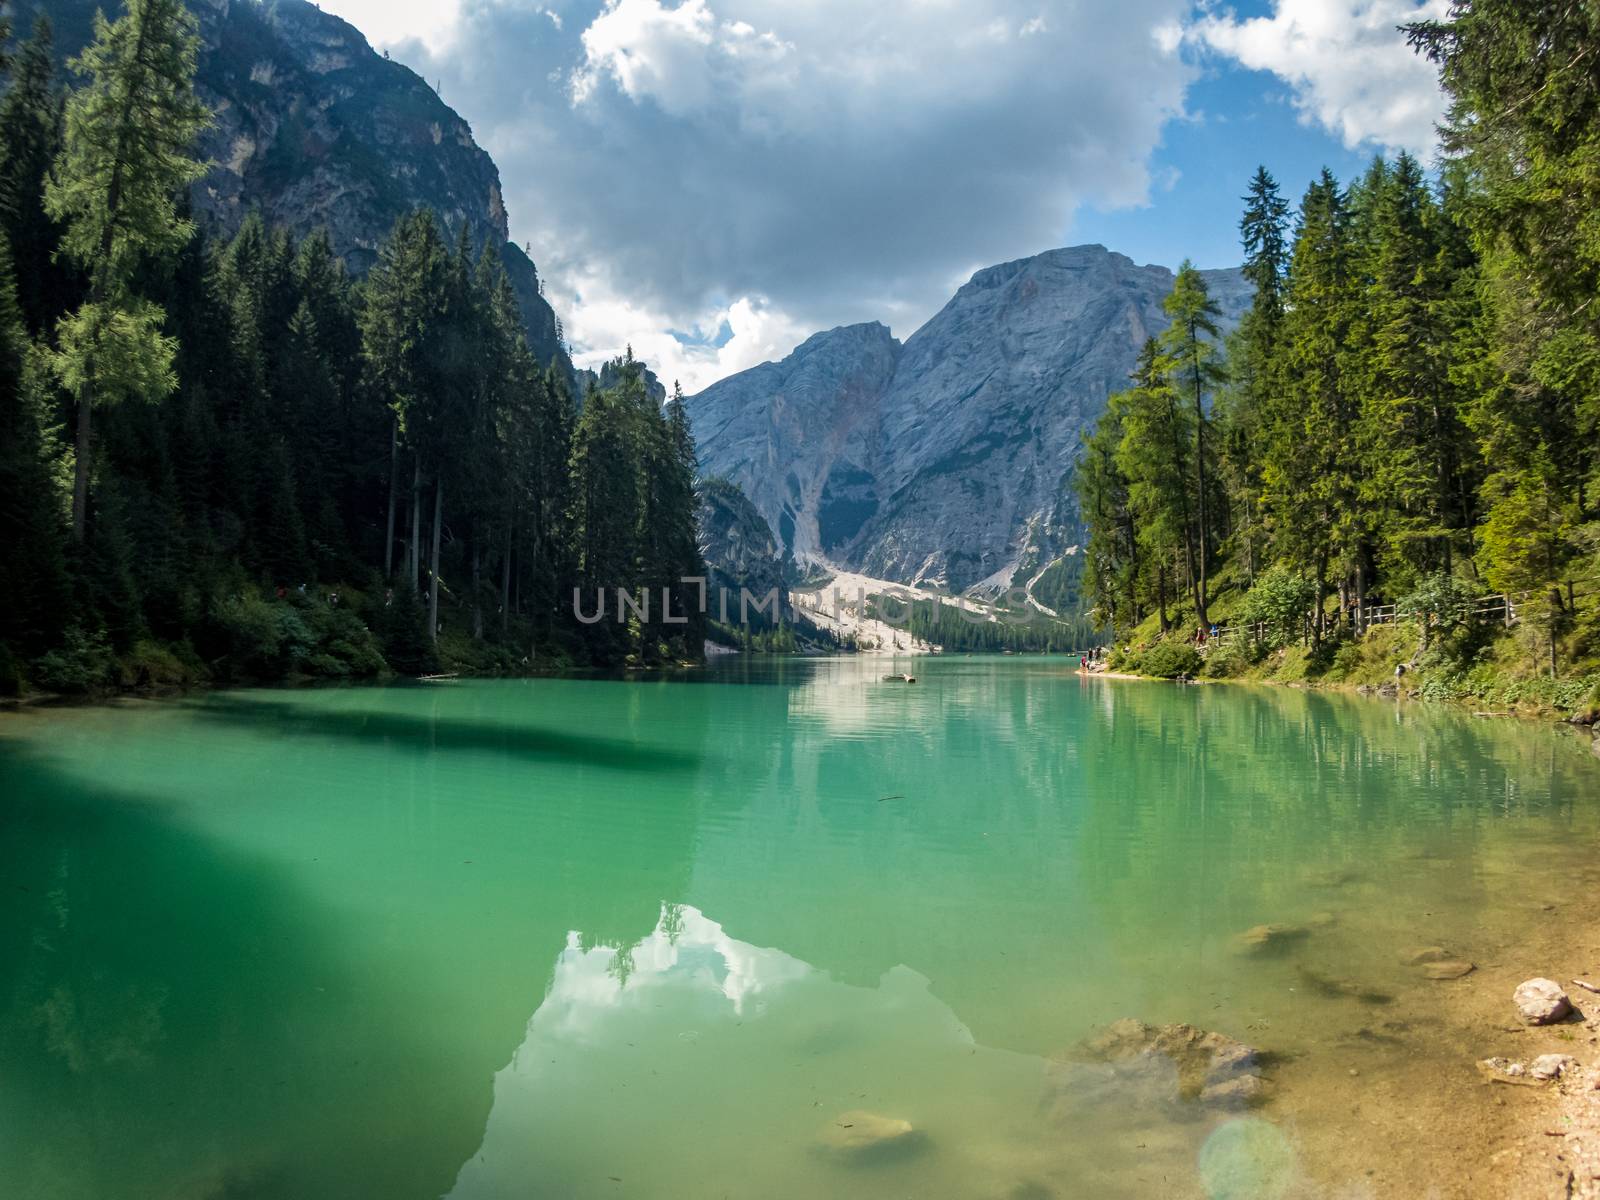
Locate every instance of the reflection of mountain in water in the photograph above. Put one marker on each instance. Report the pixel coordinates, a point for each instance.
(694, 1064)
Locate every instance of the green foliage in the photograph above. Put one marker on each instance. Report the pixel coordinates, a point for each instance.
(79, 665)
(274, 639)
(1440, 604)
(1410, 407)
(1165, 659)
(115, 350)
(129, 136)
(1275, 609)
(149, 664)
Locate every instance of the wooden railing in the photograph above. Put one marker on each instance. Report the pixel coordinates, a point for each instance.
(1502, 608)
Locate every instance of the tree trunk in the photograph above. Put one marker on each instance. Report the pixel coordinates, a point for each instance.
(1361, 599)
(394, 487)
(433, 569)
(477, 590)
(415, 549)
(1200, 479)
(80, 473)
(505, 583)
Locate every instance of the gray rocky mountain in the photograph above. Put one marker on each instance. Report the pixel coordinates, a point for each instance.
(947, 459)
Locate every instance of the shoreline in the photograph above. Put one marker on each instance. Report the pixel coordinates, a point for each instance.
(1540, 713)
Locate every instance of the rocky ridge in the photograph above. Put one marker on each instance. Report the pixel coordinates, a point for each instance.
(947, 459)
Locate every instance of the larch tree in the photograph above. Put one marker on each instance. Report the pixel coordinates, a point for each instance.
(127, 152)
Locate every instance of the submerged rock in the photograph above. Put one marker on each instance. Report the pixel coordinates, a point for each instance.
(859, 1134)
(1130, 1062)
(1504, 1070)
(1427, 954)
(1449, 968)
(1541, 1001)
(1338, 986)
(1543, 1069)
(1270, 939)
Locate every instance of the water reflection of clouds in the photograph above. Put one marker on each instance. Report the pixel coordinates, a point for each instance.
(686, 950)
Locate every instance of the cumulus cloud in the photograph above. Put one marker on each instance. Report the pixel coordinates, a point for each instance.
(1349, 70)
(779, 167)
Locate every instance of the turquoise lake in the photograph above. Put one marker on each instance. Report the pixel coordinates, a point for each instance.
(577, 938)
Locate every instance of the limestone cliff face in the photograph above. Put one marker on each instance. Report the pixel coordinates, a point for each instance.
(800, 438)
(315, 129)
(948, 459)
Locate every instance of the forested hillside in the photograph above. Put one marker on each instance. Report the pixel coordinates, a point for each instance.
(225, 459)
(1407, 415)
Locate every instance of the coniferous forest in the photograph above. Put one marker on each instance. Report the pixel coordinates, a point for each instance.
(1405, 421)
(227, 459)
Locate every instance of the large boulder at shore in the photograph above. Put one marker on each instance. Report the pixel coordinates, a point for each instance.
(1541, 1001)
(1134, 1064)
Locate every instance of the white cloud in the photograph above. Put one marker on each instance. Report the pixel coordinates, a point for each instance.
(390, 22)
(1350, 70)
(787, 167)
(604, 324)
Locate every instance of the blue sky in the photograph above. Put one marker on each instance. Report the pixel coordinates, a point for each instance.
(1244, 119)
(712, 181)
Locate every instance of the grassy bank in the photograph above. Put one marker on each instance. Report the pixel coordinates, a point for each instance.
(1486, 668)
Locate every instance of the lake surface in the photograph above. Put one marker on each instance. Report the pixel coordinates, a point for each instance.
(593, 938)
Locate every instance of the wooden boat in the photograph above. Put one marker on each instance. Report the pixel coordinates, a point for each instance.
(899, 678)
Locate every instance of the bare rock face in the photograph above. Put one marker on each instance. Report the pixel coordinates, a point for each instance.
(801, 437)
(946, 460)
(1133, 1064)
(862, 1135)
(1541, 1001)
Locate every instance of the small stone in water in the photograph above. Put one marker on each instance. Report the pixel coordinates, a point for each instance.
(1552, 1066)
(1448, 969)
(1541, 1001)
(1428, 954)
(1270, 939)
(861, 1134)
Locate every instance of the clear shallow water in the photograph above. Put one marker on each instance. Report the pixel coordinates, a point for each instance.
(574, 938)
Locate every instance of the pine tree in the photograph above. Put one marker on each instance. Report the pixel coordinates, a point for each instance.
(33, 576)
(1190, 349)
(30, 135)
(126, 153)
(1156, 456)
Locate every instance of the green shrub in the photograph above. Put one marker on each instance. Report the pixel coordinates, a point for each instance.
(81, 664)
(1169, 659)
(12, 682)
(152, 664)
(1278, 604)
(1228, 660)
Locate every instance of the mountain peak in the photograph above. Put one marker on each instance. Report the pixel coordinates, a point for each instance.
(947, 458)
